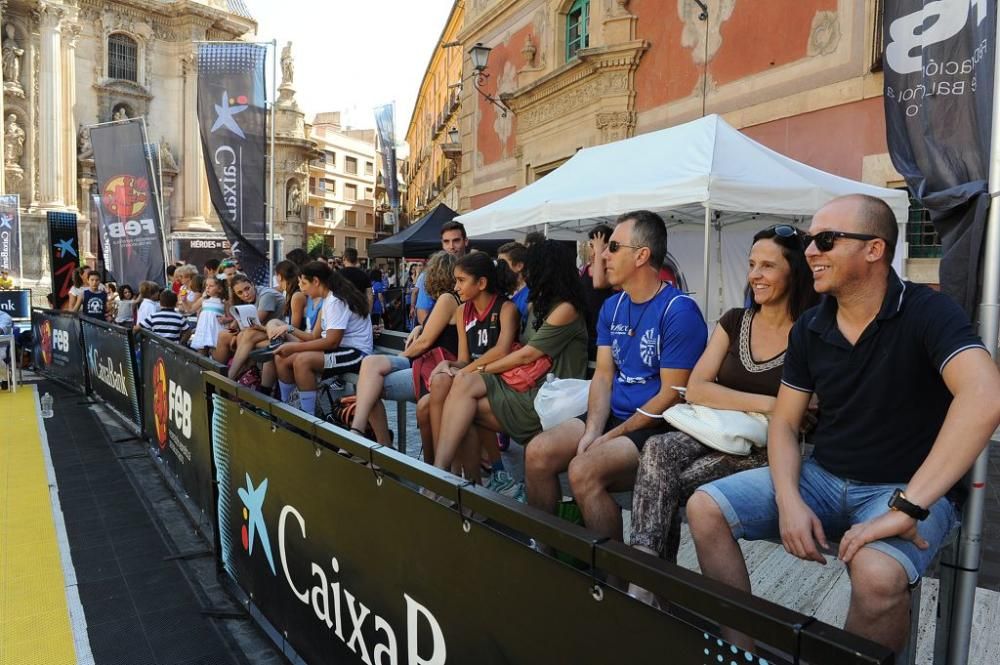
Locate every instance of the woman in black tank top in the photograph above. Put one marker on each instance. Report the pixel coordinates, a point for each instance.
(437, 331)
(487, 325)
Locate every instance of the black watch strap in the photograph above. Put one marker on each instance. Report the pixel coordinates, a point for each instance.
(898, 501)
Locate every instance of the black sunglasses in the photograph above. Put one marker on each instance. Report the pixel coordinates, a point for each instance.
(826, 239)
(614, 246)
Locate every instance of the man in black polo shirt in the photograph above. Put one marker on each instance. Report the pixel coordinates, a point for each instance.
(907, 401)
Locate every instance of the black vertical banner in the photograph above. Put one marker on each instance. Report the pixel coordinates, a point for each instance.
(10, 236)
(64, 252)
(128, 213)
(233, 117)
(938, 108)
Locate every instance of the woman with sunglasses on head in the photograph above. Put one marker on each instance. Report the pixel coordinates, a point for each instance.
(740, 370)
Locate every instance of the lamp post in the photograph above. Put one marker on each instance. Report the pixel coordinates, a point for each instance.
(480, 55)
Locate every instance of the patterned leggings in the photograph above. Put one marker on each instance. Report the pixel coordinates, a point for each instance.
(672, 467)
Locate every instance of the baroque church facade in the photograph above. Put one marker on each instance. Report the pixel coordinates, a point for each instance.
(69, 64)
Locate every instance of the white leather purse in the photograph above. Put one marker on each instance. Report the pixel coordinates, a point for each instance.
(733, 432)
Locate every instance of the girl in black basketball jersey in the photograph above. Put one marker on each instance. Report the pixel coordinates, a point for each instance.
(488, 325)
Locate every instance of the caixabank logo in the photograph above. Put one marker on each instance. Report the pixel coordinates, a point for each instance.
(327, 594)
(171, 405)
(105, 371)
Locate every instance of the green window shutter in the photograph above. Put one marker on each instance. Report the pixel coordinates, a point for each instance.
(577, 28)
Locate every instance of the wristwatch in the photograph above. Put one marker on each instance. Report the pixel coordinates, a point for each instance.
(899, 502)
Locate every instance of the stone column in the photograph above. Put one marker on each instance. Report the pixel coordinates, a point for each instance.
(50, 143)
(192, 165)
(69, 129)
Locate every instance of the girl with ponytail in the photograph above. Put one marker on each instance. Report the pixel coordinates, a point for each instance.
(339, 341)
(488, 325)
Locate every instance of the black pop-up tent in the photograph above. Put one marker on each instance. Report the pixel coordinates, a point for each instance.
(423, 238)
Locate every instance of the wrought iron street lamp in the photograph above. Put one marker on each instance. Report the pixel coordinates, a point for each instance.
(453, 135)
(480, 55)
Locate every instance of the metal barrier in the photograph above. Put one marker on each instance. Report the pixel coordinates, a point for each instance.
(175, 419)
(58, 350)
(339, 554)
(339, 557)
(112, 369)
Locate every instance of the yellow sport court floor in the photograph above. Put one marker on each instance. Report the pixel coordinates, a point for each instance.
(38, 599)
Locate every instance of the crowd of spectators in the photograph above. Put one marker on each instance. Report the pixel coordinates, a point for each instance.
(884, 378)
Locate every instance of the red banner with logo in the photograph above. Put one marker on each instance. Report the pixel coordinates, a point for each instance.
(129, 211)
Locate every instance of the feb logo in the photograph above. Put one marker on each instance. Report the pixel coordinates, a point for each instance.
(125, 196)
(45, 331)
(160, 402)
(170, 403)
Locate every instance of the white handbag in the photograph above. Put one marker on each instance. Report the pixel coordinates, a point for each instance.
(733, 432)
(559, 400)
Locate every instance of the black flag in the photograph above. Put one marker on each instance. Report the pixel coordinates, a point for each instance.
(938, 107)
(129, 210)
(64, 254)
(10, 236)
(233, 118)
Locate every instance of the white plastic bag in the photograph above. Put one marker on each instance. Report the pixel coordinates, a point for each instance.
(558, 400)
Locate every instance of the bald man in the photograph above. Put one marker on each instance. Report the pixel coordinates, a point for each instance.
(907, 400)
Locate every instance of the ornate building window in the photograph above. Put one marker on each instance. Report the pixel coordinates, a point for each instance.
(577, 22)
(123, 58)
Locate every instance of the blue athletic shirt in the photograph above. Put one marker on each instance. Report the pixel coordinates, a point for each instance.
(670, 333)
(424, 300)
(520, 300)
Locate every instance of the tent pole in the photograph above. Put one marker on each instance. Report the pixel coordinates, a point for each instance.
(970, 540)
(707, 258)
(270, 210)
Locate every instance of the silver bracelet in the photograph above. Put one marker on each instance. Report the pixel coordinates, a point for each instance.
(650, 415)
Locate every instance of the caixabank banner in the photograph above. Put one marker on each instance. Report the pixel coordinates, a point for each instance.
(111, 367)
(351, 570)
(176, 415)
(58, 346)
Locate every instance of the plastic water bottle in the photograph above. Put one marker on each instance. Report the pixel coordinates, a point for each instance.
(47, 406)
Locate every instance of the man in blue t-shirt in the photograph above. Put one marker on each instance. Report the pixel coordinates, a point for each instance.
(649, 337)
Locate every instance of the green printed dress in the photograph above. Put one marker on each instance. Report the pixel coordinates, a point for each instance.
(567, 346)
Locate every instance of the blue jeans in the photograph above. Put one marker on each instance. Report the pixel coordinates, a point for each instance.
(747, 501)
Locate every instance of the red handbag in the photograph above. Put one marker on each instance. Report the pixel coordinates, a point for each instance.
(525, 377)
(424, 365)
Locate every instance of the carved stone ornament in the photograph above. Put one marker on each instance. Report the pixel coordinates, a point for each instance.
(616, 125)
(14, 136)
(12, 54)
(294, 199)
(528, 51)
(167, 160)
(85, 150)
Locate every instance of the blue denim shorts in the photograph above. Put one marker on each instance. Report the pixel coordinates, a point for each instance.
(398, 383)
(748, 503)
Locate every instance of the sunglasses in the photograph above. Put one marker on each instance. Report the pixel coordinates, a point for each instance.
(614, 246)
(785, 231)
(825, 240)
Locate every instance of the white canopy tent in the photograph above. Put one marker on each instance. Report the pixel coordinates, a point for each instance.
(713, 185)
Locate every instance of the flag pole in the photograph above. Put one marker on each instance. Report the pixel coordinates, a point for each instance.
(970, 540)
(270, 210)
(157, 197)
